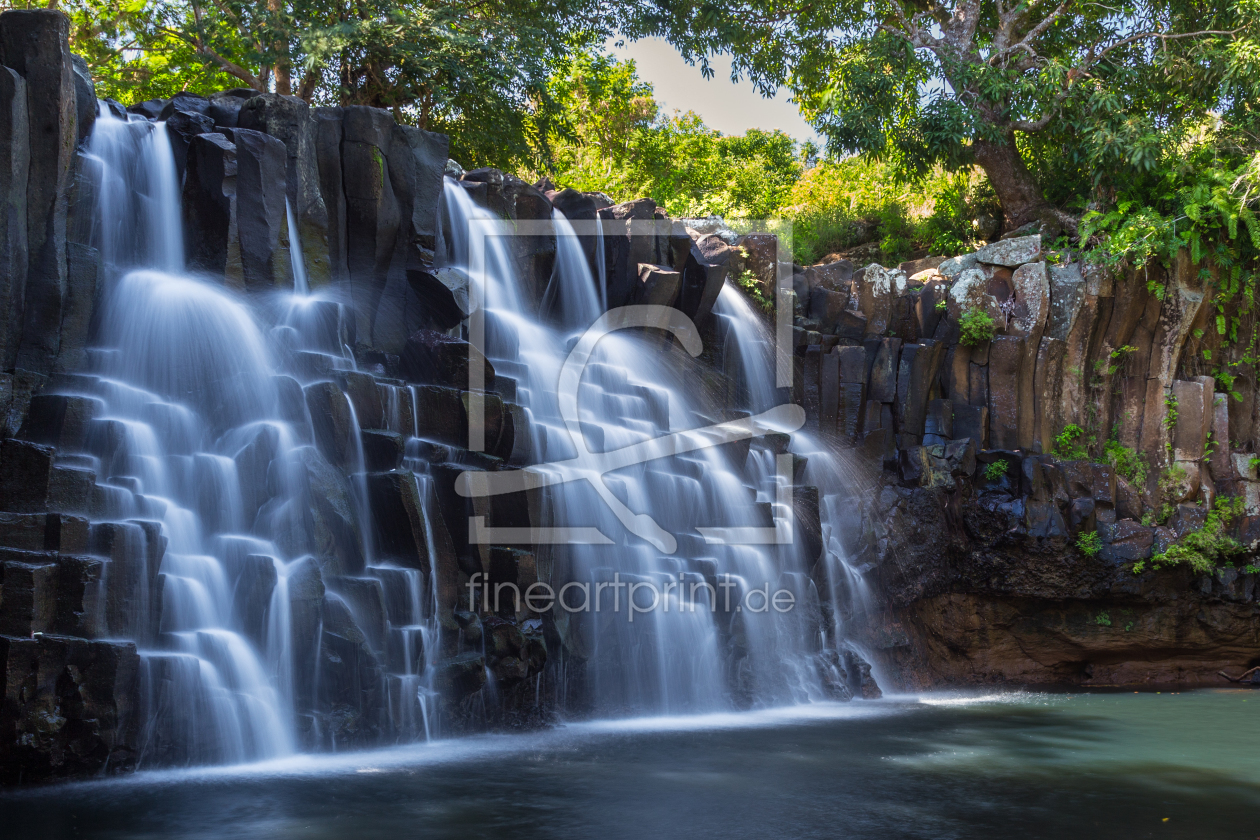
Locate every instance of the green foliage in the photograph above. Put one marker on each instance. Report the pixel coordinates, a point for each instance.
(610, 136)
(1072, 444)
(475, 71)
(942, 306)
(1210, 546)
(1089, 542)
(1094, 96)
(840, 204)
(1103, 619)
(748, 282)
(1129, 463)
(975, 328)
(995, 469)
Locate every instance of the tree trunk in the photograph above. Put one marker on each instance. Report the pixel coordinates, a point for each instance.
(1021, 198)
(284, 79)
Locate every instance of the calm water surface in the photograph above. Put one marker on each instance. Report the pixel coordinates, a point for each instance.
(1170, 765)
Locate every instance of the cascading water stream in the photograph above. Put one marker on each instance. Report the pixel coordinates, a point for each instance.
(196, 447)
(750, 342)
(674, 658)
(204, 451)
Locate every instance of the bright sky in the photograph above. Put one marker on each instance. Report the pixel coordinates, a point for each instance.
(730, 108)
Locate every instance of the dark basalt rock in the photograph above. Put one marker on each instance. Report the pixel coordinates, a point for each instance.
(260, 214)
(181, 128)
(34, 43)
(14, 170)
(289, 120)
(69, 707)
(434, 358)
(209, 203)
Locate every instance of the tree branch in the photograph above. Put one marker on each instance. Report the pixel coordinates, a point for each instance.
(219, 61)
(1163, 36)
(1036, 32)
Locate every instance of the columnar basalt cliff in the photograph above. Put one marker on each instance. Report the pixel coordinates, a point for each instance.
(975, 532)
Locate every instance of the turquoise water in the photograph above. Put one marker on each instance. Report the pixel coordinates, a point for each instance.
(1018, 765)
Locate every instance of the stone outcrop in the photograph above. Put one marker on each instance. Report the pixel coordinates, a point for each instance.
(975, 524)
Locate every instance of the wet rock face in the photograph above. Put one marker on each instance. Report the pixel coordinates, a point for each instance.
(68, 707)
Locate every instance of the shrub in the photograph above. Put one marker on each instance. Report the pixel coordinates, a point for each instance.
(976, 328)
(839, 204)
(1129, 463)
(1071, 444)
(1205, 549)
(1089, 542)
(996, 469)
(748, 282)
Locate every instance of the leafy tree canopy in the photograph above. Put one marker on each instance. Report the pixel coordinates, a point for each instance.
(609, 135)
(476, 69)
(1095, 91)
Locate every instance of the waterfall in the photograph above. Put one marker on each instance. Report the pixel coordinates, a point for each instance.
(683, 656)
(749, 344)
(200, 449)
(246, 560)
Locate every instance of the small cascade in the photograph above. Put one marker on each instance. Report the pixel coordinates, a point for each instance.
(749, 351)
(297, 266)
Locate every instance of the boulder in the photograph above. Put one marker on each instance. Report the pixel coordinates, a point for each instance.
(826, 306)
(134, 552)
(372, 211)
(883, 376)
(1005, 372)
(61, 420)
(150, 109)
(365, 396)
(224, 107)
(382, 450)
(331, 419)
(702, 282)
(1010, 252)
(443, 296)
(26, 477)
(876, 292)
(180, 130)
(919, 367)
(1188, 437)
(328, 133)
(425, 155)
(209, 204)
(69, 708)
(1126, 541)
(434, 358)
(1067, 291)
(84, 97)
(658, 286)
